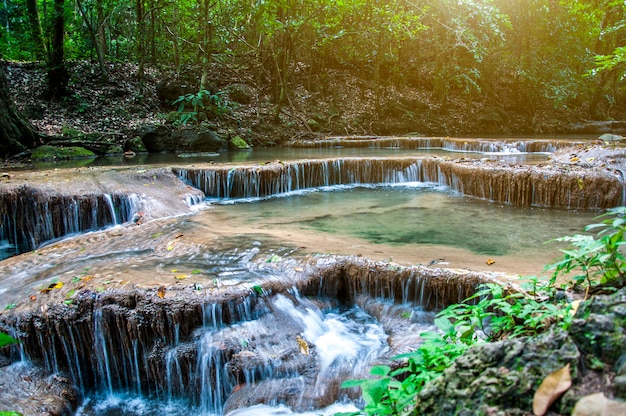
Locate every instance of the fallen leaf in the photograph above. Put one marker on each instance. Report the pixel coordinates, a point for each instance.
(161, 292)
(180, 277)
(304, 346)
(490, 262)
(581, 184)
(298, 269)
(550, 389)
(574, 160)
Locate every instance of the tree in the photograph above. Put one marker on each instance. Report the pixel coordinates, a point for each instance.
(16, 133)
(58, 76)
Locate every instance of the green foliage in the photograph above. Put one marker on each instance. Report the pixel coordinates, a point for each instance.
(495, 312)
(6, 340)
(203, 99)
(595, 260)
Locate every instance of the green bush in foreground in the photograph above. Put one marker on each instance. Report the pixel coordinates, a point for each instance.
(495, 313)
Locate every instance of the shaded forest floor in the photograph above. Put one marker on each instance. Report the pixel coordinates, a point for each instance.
(336, 104)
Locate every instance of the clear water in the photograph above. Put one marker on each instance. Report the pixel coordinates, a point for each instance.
(413, 215)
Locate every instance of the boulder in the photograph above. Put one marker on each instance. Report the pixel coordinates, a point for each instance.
(194, 139)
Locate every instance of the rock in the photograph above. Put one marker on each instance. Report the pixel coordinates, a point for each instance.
(135, 145)
(598, 127)
(114, 149)
(49, 153)
(240, 93)
(168, 91)
(313, 125)
(620, 386)
(193, 139)
(30, 391)
(598, 405)
(237, 143)
(597, 328)
(608, 137)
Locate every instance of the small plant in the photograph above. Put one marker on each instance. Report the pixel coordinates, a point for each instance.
(596, 260)
(6, 339)
(216, 102)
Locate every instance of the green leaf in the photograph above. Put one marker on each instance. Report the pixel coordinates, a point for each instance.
(6, 339)
(380, 370)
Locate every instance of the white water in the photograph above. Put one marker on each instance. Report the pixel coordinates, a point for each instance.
(343, 343)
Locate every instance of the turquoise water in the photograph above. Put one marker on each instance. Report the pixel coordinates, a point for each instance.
(412, 215)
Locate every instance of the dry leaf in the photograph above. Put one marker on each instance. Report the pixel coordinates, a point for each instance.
(180, 277)
(490, 262)
(304, 346)
(551, 388)
(161, 292)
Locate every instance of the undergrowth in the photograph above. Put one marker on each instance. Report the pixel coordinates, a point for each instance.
(496, 312)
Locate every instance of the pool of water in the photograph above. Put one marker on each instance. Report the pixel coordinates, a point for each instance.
(409, 218)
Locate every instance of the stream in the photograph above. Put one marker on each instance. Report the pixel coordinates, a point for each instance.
(240, 306)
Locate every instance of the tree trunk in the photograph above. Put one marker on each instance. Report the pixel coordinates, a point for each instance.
(16, 133)
(141, 54)
(36, 31)
(94, 39)
(102, 40)
(58, 76)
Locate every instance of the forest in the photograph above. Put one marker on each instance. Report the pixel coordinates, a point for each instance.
(516, 58)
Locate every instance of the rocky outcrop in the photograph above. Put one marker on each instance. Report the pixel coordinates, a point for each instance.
(571, 185)
(501, 378)
(599, 127)
(192, 139)
(140, 340)
(35, 209)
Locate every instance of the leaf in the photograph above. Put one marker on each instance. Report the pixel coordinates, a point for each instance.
(550, 389)
(490, 262)
(6, 339)
(304, 346)
(180, 277)
(161, 292)
(380, 370)
(10, 414)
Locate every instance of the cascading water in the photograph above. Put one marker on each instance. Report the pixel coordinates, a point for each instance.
(553, 187)
(235, 335)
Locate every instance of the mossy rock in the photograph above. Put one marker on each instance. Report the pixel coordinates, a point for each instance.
(172, 117)
(136, 145)
(114, 149)
(68, 131)
(313, 125)
(240, 93)
(238, 143)
(43, 153)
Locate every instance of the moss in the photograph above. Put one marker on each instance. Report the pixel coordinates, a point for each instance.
(54, 153)
(68, 131)
(238, 143)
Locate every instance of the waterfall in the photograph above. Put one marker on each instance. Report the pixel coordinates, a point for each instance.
(29, 217)
(213, 351)
(446, 143)
(551, 186)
